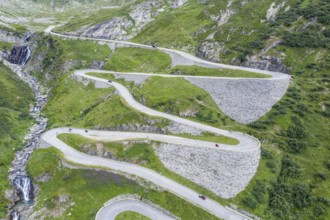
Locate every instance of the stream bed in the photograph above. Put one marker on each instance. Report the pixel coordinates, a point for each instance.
(24, 191)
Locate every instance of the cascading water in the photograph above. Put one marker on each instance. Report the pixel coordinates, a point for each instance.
(23, 184)
(15, 215)
(20, 55)
(27, 56)
(21, 208)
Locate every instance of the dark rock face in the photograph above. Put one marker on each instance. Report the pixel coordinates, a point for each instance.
(268, 63)
(20, 55)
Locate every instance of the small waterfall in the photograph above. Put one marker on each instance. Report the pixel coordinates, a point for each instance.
(27, 56)
(19, 55)
(15, 215)
(23, 184)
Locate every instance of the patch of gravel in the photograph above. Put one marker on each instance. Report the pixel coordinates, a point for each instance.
(223, 172)
(244, 100)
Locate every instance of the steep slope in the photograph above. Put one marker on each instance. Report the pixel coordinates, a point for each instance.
(120, 23)
(15, 98)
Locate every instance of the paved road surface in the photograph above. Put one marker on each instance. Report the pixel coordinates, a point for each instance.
(110, 211)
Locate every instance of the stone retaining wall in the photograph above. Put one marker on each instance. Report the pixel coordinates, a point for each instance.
(225, 173)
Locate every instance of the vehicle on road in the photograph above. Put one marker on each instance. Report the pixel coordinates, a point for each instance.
(202, 197)
(217, 145)
(86, 131)
(110, 81)
(154, 46)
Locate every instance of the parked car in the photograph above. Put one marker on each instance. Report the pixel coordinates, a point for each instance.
(202, 197)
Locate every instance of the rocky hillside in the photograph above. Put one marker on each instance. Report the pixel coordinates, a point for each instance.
(122, 23)
(250, 33)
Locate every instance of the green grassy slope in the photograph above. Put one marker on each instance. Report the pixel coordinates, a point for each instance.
(138, 60)
(59, 56)
(15, 97)
(128, 215)
(97, 16)
(202, 71)
(176, 28)
(95, 186)
(96, 108)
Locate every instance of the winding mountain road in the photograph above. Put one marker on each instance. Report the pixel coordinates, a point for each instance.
(246, 142)
(110, 211)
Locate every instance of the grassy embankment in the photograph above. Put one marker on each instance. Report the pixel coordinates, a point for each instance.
(83, 185)
(15, 98)
(128, 215)
(138, 60)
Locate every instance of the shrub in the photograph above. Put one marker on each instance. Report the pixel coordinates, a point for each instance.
(289, 168)
(259, 191)
(320, 175)
(319, 210)
(295, 146)
(295, 131)
(304, 38)
(286, 18)
(326, 113)
(323, 200)
(278, 199)
(327, 165)
(326, 32)
(258, 125)
(301, 196)
(250, 202)
(271, 164)
(266, 153)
